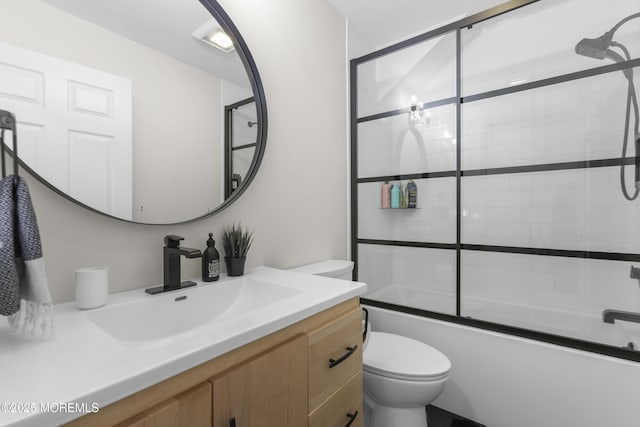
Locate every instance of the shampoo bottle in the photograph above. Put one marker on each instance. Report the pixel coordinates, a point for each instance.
(395, 196)
(412, 191)
(210, 261)
(386, 195)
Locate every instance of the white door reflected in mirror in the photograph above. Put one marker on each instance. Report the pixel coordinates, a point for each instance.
(120, 107)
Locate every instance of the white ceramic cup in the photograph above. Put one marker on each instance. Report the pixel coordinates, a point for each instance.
(92, 287)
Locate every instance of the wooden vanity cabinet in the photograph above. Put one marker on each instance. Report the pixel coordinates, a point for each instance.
(270, 390)
(307, 374)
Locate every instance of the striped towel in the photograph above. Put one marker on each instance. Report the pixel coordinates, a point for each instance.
(24, 292)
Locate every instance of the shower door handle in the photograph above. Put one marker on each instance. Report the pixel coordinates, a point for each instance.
(350, 351)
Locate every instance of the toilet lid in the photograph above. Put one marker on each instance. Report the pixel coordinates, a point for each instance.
(403, 358)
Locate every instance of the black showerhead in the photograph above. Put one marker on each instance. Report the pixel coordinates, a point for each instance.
(594, 48)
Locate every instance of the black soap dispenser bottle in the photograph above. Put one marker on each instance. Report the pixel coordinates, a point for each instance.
(210, 261)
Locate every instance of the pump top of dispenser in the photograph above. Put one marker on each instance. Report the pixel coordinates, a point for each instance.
(210, 242)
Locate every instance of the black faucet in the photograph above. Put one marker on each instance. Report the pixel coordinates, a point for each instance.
(171, 255)
(610, 316)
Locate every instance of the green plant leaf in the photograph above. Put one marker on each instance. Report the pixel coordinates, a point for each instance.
(236, 241)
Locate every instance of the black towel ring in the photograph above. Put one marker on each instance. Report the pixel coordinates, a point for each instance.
(8, 122)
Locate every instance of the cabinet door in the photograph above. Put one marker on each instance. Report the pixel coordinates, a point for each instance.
(189, 409)
(269, 391)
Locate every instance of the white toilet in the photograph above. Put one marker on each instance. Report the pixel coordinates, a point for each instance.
(401, 375)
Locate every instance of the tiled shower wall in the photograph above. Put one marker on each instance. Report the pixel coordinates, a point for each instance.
(408, 257)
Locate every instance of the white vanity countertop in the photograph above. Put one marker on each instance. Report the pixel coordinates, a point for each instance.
(85, 367)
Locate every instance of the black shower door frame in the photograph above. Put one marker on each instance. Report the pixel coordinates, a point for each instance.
(458, 173)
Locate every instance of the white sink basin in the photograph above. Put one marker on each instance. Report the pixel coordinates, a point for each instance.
(166, 315)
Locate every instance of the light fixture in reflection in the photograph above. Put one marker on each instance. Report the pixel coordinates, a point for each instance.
(417, 115)
(211, 34)
(221, 40)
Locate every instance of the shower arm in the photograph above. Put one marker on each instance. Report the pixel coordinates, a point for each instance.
(622, 22)
(608, 36)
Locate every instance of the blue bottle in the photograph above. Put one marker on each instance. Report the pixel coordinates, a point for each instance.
(395, 196)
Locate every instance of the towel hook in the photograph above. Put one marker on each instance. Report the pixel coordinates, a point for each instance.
(8, 122)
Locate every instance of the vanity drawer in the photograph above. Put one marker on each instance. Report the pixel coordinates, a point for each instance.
(335, 355)
(342, 409)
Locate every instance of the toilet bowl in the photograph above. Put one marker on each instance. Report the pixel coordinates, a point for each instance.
(401, 375)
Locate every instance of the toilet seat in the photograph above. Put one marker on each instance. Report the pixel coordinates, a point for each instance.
(404, 358)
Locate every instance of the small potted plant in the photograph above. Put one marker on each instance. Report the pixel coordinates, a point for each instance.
(236, 242)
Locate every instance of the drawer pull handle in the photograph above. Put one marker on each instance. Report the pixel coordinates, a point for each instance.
(352, 418)
(232, 422)
(350, 351)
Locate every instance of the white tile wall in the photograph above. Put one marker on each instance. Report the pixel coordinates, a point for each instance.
(581, 209)
(421, 73)
(578, 120)
(399, 145)
(414, 277)
(559, 295)
(434, 219)
(538, 41)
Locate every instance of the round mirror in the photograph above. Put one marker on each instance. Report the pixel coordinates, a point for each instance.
(146, 111)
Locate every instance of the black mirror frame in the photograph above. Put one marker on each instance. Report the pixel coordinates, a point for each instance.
(258, 93)
(229, 27)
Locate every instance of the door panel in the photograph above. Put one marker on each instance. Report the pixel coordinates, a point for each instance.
(72, 118)
(270, 391)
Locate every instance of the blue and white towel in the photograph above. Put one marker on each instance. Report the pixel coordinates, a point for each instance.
(24, 291)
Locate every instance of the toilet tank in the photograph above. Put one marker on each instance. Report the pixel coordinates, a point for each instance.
(336, 268)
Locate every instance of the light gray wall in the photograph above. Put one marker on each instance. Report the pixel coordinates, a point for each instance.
(296, 205)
